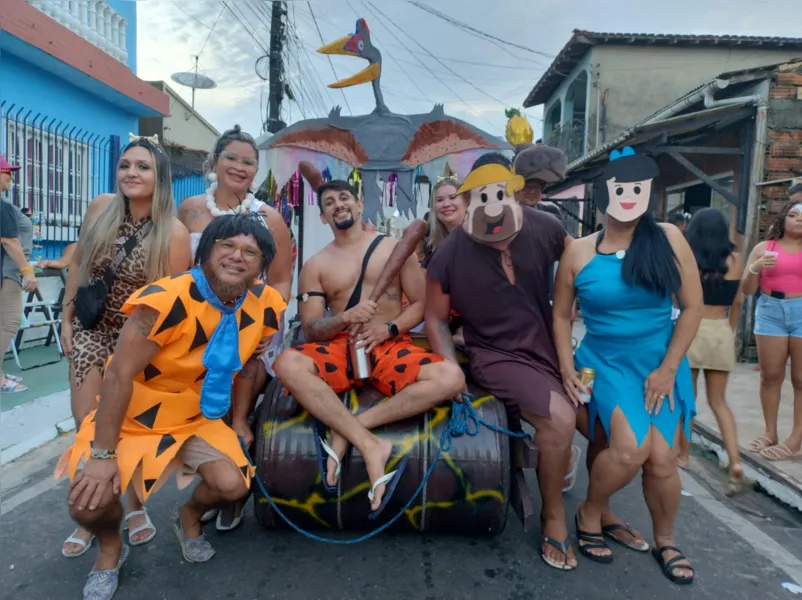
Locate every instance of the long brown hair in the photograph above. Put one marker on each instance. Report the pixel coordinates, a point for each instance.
(437, 231)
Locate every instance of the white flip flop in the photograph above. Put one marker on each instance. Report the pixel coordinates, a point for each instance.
(234, 522)
(572, 474)
(210, 515)
(148, 525)
(78, 541)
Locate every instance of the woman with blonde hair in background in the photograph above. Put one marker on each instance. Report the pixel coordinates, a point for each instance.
(446, 213)
(776, 267)
(128, 239)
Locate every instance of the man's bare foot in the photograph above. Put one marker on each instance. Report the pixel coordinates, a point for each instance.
(590, 537)
(71, 549)
(617, 529)
(190, 522)
(340, 446)
(376, 455)
(109, 555)
(557, 530)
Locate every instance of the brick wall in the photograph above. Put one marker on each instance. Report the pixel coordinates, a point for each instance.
(783, 142)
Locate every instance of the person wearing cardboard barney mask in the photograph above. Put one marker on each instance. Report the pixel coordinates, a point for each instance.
(626, 278)
(501, 259)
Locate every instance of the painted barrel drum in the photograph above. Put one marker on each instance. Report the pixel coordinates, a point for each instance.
(467, 493)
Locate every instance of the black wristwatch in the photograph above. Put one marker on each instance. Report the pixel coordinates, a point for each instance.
(393, 329)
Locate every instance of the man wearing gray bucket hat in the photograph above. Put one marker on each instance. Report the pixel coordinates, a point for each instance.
(539, 165)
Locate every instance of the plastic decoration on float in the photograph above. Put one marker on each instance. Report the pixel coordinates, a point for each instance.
(519, 131)
(387, 156)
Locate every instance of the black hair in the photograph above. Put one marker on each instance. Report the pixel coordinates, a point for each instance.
(796, 188)
(492, 158)
(235, 134)
(709, 237)
(339, 185)
(229, 226)
(777, 229)
(650, 260)
(678, 217)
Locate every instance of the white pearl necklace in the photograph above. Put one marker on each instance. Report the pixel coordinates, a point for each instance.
(243, 208)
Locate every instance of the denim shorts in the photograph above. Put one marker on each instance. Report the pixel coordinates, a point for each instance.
(779, 318)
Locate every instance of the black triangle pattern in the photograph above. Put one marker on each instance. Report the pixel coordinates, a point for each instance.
(151, 289)
(194, 293)
(244, 471)
(176, 316)
(200, 338)
(245, 320)
(257, 289)
(270, 318)
(164, 443)
(149, 483)
(201, 376)
(148, 418)
(151, 372)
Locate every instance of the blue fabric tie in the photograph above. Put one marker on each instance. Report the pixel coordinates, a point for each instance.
(221, 357)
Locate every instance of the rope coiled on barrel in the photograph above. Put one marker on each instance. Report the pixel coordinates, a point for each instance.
(464, 421)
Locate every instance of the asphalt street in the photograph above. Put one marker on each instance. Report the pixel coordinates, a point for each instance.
(742, 549)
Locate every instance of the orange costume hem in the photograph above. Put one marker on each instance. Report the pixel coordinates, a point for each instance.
(396, 363)
(164, 411)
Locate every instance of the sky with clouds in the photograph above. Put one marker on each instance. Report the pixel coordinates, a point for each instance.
(474, 78)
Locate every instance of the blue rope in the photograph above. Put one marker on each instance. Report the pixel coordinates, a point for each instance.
(464, 421)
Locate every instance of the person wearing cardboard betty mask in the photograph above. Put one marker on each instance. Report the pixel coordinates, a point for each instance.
(626, 277)
(776, 267)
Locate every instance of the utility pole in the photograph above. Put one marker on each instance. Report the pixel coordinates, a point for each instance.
(276, 74)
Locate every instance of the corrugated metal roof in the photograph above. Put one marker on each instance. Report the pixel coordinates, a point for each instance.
(581, 41)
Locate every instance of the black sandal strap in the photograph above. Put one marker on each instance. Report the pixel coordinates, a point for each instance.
(671, 564)
(561, 546)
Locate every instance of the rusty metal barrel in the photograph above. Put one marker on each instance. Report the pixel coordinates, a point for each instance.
(467, 493)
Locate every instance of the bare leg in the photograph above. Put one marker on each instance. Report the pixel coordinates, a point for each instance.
(299, 375)
(773, 354)
(221, 482)
(133, 504)
(661, 489)
(436, 383)
(716, 382)
(684, 458)
(553, 439)
(612, 470)
(83, 400)
(627, 536)
(103, 523)
(794, 441)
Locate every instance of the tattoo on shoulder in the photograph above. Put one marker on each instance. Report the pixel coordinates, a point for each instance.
(143, 319)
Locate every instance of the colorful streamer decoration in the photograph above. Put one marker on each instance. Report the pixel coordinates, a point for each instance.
(393, 181)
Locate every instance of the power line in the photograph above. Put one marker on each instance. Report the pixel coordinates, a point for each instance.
(322, 41)
(220, 14)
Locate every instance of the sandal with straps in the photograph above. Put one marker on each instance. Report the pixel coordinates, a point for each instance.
(588, 541)
(563, 547)
(759, 444)
(669, 566)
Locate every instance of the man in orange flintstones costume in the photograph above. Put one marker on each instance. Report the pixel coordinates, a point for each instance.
(183, 358)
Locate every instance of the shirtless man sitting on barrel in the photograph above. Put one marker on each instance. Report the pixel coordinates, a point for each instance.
(415, 380)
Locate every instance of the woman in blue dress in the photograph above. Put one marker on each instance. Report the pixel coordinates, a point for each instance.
(627, 277)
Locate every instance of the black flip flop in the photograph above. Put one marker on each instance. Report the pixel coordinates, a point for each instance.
(668, 566)
(562, 547)
(319, 433)
(591, 541)
(390, 489)
(608, 530)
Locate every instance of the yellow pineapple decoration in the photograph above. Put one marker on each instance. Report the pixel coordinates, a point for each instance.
(519, 131)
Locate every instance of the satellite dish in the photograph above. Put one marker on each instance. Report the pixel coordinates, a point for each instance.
(194, 80)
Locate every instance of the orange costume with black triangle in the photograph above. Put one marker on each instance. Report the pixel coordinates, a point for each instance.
(165, 409)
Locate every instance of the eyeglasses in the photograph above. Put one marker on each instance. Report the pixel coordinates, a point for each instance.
(247, 161)
(229, 247)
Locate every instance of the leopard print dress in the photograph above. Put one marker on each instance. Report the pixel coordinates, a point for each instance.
(91, 348)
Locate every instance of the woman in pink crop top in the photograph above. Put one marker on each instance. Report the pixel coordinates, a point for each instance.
(776, 267)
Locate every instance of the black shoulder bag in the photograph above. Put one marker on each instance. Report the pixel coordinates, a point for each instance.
(90, 299)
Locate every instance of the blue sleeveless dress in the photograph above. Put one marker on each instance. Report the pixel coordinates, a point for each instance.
(628, 333)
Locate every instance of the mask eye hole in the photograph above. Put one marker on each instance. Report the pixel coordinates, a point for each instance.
(619, 191)
(636, 189)
(500, 195)
(484, 197)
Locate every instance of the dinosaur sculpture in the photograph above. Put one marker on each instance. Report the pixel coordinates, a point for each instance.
(383, 146)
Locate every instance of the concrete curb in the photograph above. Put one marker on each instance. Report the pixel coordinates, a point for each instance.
(777, 484)
(29, 426)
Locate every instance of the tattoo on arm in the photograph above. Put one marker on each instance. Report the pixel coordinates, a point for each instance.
(392, 295)
(143, 319)
(323, 329)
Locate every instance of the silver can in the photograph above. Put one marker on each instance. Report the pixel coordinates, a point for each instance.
(360, 360)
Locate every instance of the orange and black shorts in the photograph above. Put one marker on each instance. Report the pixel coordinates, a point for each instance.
(396, 363)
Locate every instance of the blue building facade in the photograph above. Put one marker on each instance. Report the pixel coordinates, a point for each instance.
(69, 97)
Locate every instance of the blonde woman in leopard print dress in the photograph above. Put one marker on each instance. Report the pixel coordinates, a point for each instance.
(143, 199)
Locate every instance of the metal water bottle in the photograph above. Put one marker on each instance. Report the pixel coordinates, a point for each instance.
(360, 360)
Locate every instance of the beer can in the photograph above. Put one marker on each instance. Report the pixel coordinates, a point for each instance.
(587, 377)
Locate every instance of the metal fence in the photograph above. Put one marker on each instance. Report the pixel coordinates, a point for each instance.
(185, 187)
(62, 167)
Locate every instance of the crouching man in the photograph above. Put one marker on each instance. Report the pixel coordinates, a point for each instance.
(342, 277)
(185, 354)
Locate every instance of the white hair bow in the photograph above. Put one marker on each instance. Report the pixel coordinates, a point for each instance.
(154, 139)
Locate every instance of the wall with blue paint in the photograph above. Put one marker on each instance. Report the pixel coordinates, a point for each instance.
(127, 10)
(37, 90)
(186, 187)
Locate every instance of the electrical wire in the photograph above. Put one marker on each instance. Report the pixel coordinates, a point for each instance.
(322, 41)
(211, 30)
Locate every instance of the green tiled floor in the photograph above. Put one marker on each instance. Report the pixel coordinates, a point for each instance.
(41, 381)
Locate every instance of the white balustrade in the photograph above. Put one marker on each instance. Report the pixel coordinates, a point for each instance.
(93, 20)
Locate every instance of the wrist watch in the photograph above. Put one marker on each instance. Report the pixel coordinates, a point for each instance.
(393, 329)
(103, 454)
